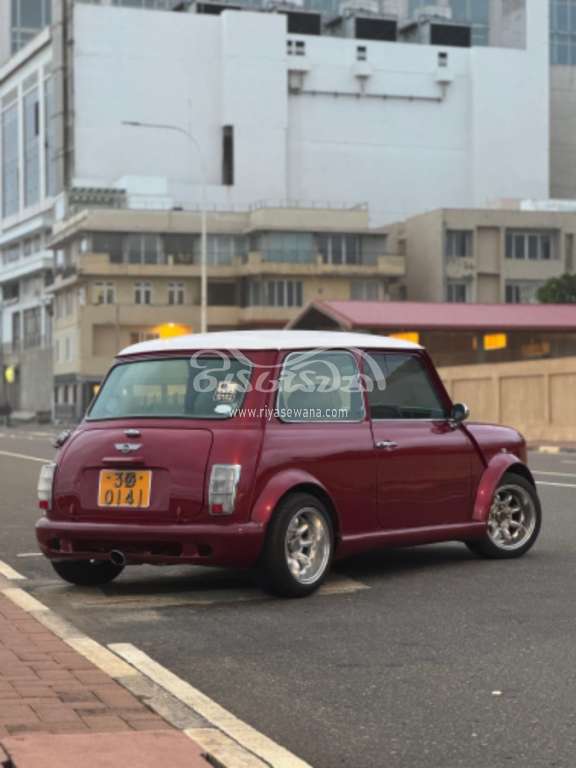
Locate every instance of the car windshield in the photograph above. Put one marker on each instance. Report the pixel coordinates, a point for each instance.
(191, 388)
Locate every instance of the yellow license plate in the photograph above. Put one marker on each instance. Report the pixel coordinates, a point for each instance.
(125, 488)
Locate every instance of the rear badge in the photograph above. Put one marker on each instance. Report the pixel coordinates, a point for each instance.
(127, 448)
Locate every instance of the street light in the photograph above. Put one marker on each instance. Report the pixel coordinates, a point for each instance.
(204, 216)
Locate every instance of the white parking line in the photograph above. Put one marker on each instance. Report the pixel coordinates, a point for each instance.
(252, 740)
(554, 474)
(9, 573)
(30, 554)
(23, 456)
(555, 485)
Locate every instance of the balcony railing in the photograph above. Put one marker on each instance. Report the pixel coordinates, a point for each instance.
(26, 343)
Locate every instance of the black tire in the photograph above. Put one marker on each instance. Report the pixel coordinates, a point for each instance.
(487, 547)
(275, 570)
(87, 573)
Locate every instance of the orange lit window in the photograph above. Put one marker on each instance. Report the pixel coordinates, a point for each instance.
(494, 341)
(412, 336)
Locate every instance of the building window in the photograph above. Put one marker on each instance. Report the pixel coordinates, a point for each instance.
(228, 156)
(28, 18)
(108, 243)
(142, 293)
(275, 293)
(287, 247)
(221, 294)
(531, 246)
(69, 303)
(365, 290)
(458, 244)
(31, 147)
(104, 293)
(361, 53)
(144, 249)
(222, 249)
(456, 292)
(10, 165)
(32, 321)
(175, 293)
(296, 48)
(339, 249)
(563, 32)
(522, 291)
(16, 330)
(136, 337)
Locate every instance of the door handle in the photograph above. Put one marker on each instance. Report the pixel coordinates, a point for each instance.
(388, 445)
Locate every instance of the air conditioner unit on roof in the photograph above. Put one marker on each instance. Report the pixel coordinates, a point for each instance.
(354, 6)
(433, 12)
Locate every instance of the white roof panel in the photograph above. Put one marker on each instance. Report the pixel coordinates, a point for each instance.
(259, 340)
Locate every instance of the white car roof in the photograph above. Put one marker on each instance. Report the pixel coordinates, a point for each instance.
(277, 340)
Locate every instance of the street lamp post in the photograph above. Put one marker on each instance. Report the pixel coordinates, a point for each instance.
(203, 216)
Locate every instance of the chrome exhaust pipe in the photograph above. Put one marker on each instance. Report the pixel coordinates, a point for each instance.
(117, 557)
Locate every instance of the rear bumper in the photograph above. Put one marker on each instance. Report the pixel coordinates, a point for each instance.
(237, 545)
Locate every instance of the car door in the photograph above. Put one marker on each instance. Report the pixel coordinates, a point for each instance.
(424, 462)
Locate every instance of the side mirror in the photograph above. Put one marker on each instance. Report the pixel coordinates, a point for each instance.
(460, 412)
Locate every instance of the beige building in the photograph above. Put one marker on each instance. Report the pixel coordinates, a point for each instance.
(123, 276)
(483, 256)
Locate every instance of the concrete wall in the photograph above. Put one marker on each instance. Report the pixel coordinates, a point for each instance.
(35, 372)
(536, 397)
(404, 145)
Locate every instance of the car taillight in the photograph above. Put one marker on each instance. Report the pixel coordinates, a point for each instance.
(222, 491)
(45, 483)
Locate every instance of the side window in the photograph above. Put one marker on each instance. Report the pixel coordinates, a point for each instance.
(401, 388)
(320, 386)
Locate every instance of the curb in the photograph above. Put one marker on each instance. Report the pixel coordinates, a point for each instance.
(226, 741)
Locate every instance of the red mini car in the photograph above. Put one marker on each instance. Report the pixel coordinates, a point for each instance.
(282, 450)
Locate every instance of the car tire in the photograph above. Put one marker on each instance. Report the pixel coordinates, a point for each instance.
(299, 547)
(514, 520)
(87, 573)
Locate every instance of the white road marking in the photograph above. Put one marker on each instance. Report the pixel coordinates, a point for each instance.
(24, 456)
(554, 474)
(9, 573)
(555, 485)
(337, 585)
(248, 737)
(30, 554)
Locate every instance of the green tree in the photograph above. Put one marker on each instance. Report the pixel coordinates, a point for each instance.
(558, 290)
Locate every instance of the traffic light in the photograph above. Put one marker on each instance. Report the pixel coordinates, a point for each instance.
(10, 374)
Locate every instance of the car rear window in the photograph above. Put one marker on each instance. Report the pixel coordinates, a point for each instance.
(191, 388)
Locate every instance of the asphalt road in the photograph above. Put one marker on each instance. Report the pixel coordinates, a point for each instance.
(410, 658)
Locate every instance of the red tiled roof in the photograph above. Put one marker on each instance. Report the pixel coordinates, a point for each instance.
(409, 315)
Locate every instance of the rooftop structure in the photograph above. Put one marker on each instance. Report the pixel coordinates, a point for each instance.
(455, 334)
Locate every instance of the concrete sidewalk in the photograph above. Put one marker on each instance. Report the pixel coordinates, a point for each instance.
(56, 705)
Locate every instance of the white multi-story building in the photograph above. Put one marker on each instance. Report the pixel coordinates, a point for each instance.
(27, 193)
(117, 106)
